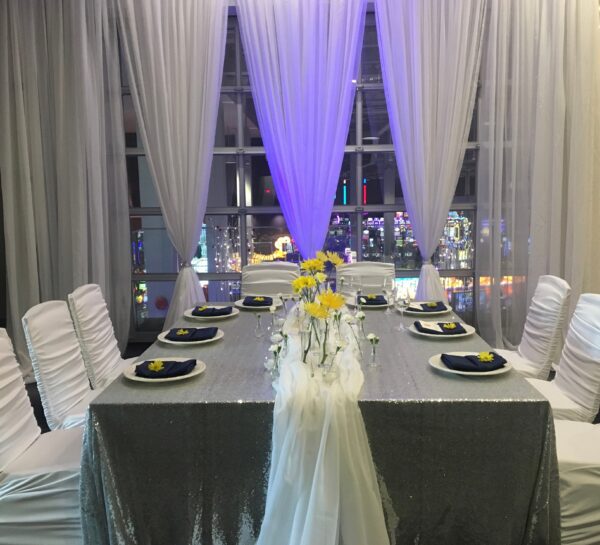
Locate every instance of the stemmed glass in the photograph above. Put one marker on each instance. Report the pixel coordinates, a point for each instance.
(389, 292)
(401, 305)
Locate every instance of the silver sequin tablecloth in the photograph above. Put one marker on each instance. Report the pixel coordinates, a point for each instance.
(460, 460)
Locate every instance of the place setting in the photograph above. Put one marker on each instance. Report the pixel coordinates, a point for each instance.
(480, 364)
(258, 302)
(438, 330)
(426, 308)
(184, 336)
(165, 369)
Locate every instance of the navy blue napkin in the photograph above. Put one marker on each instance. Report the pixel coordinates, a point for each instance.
(251, 301)
(456, 331)
(472, 363)
(439, 307)
(169, 368)
(211, 311)
(377, 300)
(193, 334)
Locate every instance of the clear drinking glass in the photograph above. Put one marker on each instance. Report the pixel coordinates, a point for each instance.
(258, 330)
(389, 291)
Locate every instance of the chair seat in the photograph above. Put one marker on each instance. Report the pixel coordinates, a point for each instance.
(578, 451)
(524, 366)
(563, 408)
(39, 492)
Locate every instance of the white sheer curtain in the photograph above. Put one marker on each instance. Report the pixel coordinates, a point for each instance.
(62, 158)
(430, 52)
(302, 56)
(174, 52)
(538, 174)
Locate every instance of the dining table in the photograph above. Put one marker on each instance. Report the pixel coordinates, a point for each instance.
(460, 459)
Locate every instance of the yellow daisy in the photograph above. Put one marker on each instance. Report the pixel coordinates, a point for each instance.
(316, 310)
(331, 300)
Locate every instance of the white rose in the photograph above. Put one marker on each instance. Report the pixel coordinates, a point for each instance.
(272, 309)
(277, 338)
(371, 336)
(273, 348)
(363, 300)
(361, 315)
(348, 319)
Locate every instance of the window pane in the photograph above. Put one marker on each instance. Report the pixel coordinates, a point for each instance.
(467, 181)
(259, 187)
(219, 246)
(223, 182)
(141, 186)
(339, 237)
(130, 123)
(381, 180)
(251, 136)
(226, 129)
(151, 249)
(216, 291)
(269, 239)
(351, 139)
(346, 189)
(460, 295)
(376, 123)
(229, 62)
(151, 303)
(370, 65)
(373, 237)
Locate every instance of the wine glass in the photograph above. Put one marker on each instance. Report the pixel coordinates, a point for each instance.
(401, 305)
(389, 292)
(258, 330)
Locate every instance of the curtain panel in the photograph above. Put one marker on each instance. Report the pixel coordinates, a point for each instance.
(302, 58)
(174, 52)
(62, 158)
(430, 53)
(538, 168)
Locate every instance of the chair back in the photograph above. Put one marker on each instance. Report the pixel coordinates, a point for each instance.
(101, 355)
(56, 358)
(18, 427)
(269, 278)
(578, 374)
(371, 274)
(542, 335)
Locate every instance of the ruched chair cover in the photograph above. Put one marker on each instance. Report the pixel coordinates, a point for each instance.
(542, 335)
(39, 474)
(58, 364)
(372, 275)
(574, 394)
(269, 278)
(578, 452)
(94, 328)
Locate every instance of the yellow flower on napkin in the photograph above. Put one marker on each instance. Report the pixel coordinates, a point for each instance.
(485, 356)
(371, 296)
(259, 299)
(182, 332)
(317, 310)
(431, 305)
(331, 300)
(450, 325)
(200, 309)
(156, 366)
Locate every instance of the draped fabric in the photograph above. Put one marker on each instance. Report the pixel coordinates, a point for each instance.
(174, 52)
(322, 483)
(538, 167)
(430, 52)
(62, 157)
(302, 58)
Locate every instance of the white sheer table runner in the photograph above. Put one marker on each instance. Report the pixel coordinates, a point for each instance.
(189, 462)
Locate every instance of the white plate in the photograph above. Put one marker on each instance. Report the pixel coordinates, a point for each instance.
(188, 314)
(436, 362)
(162, 338)
(351, 302)
(425, 313)
(240, 304)
(129, 372)
(469, 330)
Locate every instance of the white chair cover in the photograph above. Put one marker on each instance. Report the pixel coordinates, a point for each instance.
(542, 334)
(99, 347)
(269, 278)
(578, 451)
(39, 474)
(574, 394)
(371, 274)
(58, 364)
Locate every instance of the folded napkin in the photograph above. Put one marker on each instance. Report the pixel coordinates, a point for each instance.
(373, 300)
(440, 328)
(436, 306)
(211, 311)
(190, 334)
(473, 362)
(258, 301)
(164, 368)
